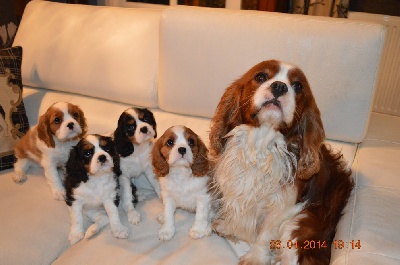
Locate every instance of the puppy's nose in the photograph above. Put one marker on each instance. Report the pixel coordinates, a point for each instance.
(70, 126)
(278, 89)
(144, 129)
(182, 150)
(102, 158)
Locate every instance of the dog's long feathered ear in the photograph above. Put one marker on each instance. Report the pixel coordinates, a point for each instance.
(160, 165)
(116, 159)
(82, 123)
(123, 145)
(75, 173)
(201, 165)
(44, 132)
(226, 117)
(308, 137)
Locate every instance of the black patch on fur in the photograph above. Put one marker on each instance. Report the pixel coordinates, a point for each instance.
(122, 143)
(147, 116)
(135, 198)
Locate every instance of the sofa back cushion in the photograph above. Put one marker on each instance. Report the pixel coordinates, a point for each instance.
(104, 52)
(202, 51)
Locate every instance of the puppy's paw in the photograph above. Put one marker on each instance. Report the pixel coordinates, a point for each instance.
(91, 231)
(19, 177)
(198, 232)
(74, 237)
(120, 231)
(160, 218)
(134, 217)
(165, 234)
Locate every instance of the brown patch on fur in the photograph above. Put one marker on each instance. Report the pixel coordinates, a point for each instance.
(47, 126)
(160, 153)
(200, 165)
(28, 144)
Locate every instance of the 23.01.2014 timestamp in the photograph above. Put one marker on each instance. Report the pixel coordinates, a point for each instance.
(314, 244)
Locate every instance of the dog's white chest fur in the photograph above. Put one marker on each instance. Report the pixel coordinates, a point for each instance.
(183, 187)
(138, 161)
(255, 176)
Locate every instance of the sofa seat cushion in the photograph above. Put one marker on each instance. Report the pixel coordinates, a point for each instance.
(90, 50)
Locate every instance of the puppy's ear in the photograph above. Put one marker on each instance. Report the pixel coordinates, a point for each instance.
(152, 121)
(226, 117)
(44, 132)
(123, 145)
(115, 156)
(160, 165)
(75, 173)
(201, 164)
(82, 123)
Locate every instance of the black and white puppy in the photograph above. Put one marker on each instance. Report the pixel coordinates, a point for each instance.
(134, 141)
(91, 184)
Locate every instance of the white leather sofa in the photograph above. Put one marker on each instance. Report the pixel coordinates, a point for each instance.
(177, 62)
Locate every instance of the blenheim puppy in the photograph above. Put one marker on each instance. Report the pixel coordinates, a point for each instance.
(180, 161)
(278, 180)
(91, 183)
(49, 142)
(134, 142)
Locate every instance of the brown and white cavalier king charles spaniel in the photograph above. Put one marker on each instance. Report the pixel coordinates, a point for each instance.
(280, 185)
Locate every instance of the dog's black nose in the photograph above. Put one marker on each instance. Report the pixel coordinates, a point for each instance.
(182, 150)
(144, 129)
(70, 126)
(102, 158)
(278, 88)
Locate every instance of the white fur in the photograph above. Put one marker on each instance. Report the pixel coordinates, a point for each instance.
(180, 189)
(51, 157)
(139, 162)
(272, 114)
(98, 192)
(255, 174)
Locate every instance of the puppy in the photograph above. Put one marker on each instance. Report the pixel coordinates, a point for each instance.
(49, 142)
(180, 161)
(91, 183)
(281, 186)
(134, 141)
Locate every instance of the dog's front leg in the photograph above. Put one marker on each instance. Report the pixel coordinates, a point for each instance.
(54, 180)
(117, 229)
(127, 204)
(167, 229)
(201, 226)
(76, 216)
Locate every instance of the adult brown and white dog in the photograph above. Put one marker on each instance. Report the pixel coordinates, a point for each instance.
(281, 186)
(48, 144)
(180, 161)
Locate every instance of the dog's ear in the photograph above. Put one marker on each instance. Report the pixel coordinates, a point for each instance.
(75, 173)
(160, 164)
(151, 121)
(82, 123)
(123, 145)
(227, 116)
(201, 165)
(44, 131)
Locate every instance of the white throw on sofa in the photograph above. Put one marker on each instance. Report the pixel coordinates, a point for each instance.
(177, 62)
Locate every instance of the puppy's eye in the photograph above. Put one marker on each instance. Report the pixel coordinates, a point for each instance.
(106, 148)
(145, 119)
(261, 77)
(297, 87)
(191, 142)
(131, 127)
(57, 120)
(75, 115)
(170, 142)
(88, 153)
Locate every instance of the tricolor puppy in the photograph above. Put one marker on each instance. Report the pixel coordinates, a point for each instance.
(277, 178)
(49, 142)
(91, 183)
(134, 140)
(180, 161)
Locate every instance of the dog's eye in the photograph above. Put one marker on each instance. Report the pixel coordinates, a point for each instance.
(145, 119)
(131, 127)
(57, 120)
(297, 87)
(170, 142)
(88, 153)
(191, 142)
(75, 115)
(261, 77)
(106, 148)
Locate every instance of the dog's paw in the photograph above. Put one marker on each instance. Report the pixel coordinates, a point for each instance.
(74, 237)
(165, 234)
(134, 217)
(58, 194)
(197, 232)
(91, 231)
(160, 218)
(19, 177)
(120, 231)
